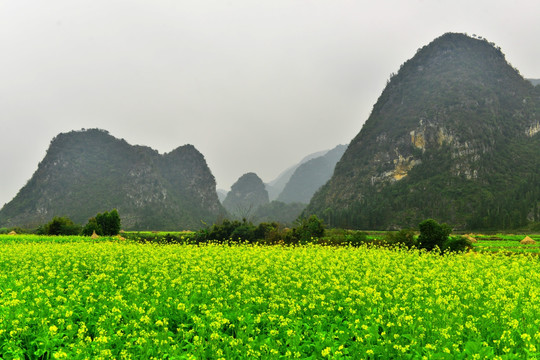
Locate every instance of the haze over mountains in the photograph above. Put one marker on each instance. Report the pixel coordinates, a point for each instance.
(453, 136)
(249, 196)
(310, 175)
(276, 186)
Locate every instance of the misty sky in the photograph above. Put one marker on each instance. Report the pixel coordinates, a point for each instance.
(253, 85)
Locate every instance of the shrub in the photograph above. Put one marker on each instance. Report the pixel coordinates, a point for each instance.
(357, 238)
(309, 228)
(264, 232)
(106, 224)
(288, 236)
(109, 222)
(223, 231)
(244, 232)
(156, 238)
(269, 232)
(20, 230)
(433, 234)
(405, 237)
(457, 244)
(239, 231)
(60, 226)
(91, 227)
(226, 230)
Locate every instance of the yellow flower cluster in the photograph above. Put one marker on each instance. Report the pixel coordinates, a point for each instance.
(83, 300)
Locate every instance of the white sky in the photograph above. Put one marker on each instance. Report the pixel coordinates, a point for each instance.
(255, 85)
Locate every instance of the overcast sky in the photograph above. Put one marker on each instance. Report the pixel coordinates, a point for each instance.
(254, 85)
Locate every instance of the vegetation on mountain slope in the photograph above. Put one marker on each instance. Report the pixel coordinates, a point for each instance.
(454, 136)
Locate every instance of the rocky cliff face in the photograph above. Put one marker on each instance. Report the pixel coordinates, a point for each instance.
(86, 172)
(247, 194)
(453, 133)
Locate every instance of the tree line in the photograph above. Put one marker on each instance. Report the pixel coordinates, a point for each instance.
(105, 224)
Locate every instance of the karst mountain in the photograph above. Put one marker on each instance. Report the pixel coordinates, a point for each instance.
(454, 136)
(247, 194)
(89, 172)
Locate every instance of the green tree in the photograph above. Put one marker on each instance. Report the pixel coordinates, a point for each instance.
(60, 226)
(244, 232)
(107, 224)
(457, 244)
(91, 227)
(309, 228)
(433, 234)
(405, 237)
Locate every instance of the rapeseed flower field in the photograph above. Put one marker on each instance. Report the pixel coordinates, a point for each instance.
(75, 299)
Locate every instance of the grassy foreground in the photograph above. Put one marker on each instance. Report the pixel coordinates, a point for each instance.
(116, 299)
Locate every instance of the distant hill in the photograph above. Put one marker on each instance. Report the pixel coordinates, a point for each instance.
(454, 136)
(277, 211)
(246, 196)
(534, 81)
(86, 172)
(310, 176)
(276, 186)
(222, 194)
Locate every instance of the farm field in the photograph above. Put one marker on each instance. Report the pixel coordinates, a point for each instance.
(505, 243)
(67, 297)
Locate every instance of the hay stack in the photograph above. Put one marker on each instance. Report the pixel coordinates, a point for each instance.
(94, 235)
(12, 233)
(527, 241)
